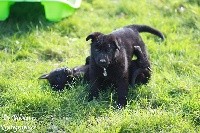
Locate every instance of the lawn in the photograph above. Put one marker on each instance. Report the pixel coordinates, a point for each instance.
(31, 46)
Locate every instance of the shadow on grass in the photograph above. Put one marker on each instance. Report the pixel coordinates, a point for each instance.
(23, 18)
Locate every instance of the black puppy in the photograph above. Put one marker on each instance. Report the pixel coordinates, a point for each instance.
(111, 57)
(59, 78)
(66, 77)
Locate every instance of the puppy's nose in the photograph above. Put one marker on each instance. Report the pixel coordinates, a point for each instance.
(102, 60)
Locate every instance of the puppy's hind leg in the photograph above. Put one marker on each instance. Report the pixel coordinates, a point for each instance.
(142, 60)
(135, 74)
(140, 69)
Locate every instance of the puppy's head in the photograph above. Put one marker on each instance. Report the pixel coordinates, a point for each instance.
(58, 78)
(104, 48)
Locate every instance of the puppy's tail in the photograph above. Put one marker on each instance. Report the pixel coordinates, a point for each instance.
(145, 28)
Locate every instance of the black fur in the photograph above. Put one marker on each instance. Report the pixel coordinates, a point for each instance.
(66, 77)
(111, 57)
(59, 78)
(140, 71)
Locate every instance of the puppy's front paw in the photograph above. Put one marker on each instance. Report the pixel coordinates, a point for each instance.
(121, 103)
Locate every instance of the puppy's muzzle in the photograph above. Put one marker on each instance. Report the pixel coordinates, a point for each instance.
(103, 63)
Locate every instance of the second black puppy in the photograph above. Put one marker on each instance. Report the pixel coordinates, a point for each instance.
(66, 77)
(111, 57)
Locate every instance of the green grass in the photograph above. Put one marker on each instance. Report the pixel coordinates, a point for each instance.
(31, 46)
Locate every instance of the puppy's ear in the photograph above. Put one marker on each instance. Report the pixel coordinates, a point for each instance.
(87, 60)
(93, 36)
(116, 42)
(44, 76)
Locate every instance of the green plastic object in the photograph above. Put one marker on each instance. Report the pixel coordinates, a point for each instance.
(55, 10)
